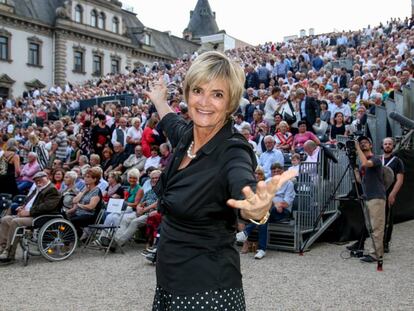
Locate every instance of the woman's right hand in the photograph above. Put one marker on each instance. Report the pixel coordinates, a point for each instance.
(158, 92)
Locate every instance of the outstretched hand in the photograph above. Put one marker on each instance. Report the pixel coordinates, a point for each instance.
(256, 205)
(157, 92)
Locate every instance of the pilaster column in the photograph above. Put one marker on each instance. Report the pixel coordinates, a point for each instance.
(60, 59)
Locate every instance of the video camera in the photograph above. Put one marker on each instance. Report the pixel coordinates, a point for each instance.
(350, 147)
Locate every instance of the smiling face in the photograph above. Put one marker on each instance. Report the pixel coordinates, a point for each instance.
(208, 104)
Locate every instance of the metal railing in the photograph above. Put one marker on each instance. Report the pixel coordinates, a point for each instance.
(318, 187)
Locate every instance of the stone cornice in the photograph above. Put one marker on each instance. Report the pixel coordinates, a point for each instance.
(105, 4)
(27, 25)
(72, 30)
(84, 29)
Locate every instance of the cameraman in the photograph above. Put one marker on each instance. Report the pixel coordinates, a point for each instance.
(370, 177)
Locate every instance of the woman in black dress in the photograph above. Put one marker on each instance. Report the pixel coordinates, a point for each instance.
(10, 168)
(212, 170)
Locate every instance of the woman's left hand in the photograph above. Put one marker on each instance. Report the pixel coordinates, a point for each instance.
(256, 205)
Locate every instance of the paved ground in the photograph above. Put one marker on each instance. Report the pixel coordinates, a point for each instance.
(320, 280)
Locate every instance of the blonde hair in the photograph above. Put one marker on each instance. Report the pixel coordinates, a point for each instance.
(215, 65)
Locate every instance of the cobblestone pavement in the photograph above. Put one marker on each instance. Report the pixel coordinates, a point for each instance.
(320, 280)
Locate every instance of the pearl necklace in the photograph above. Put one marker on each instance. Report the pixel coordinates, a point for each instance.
(189, 154)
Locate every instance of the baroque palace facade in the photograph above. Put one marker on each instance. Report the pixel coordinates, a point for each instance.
(55, 41)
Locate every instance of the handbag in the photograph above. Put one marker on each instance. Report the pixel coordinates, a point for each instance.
(289, 118)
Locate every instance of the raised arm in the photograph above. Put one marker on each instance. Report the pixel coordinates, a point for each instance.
(158, 96)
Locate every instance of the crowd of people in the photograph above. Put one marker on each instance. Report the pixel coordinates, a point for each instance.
(296, 98)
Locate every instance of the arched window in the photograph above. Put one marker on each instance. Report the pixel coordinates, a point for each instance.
(78, 14)
(101, 20)
(115, 25)
(94, 18)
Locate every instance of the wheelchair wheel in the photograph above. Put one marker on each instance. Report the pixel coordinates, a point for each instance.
(57, 239)
(25, 257)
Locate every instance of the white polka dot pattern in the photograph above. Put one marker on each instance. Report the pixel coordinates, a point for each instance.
(230, 299)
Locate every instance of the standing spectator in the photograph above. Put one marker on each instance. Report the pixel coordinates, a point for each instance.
(25, 180)
(395, 163)
(120, 133)
(100, 134)
(62, 141)
(134, 135)
(148, 136)
(86, 143)
(308, 108)
(252, 78)
(9, 168)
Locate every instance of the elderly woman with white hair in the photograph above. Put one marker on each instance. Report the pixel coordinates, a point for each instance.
(132, 195)
(25, 181)
(134, 135)
(69, 190)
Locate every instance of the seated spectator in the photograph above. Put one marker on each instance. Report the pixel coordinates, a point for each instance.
(239, 122)
(68, 190)
(270, 156)
(133, 195)
(136, 160)
(84, 211)
(277, 119)
(281, 209)
(302, 137)
(261, 131)
(117, 159)
(132, 221)
(114, 189)
(106, 159)
(79, 183)
(95, 160)
(283, 138)
(246, 133)
(338, 128)
(25, 181)
(44, 200)
(154, 159)
(84, 164)
(57, 178)
(166, 155)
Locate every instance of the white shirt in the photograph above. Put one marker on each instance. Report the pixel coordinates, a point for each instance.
(152, 161)
(134, 133)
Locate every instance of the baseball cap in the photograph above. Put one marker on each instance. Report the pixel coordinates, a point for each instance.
(362, 137)
(39, 175)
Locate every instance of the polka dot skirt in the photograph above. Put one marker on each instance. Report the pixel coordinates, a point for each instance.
(221, 300)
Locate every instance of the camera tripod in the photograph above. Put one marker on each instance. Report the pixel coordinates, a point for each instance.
(350, 168)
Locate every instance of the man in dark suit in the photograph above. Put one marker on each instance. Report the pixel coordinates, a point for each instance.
(43, 200)
(308, 107)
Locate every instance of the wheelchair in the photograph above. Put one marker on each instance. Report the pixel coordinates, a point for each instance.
(50, 236)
